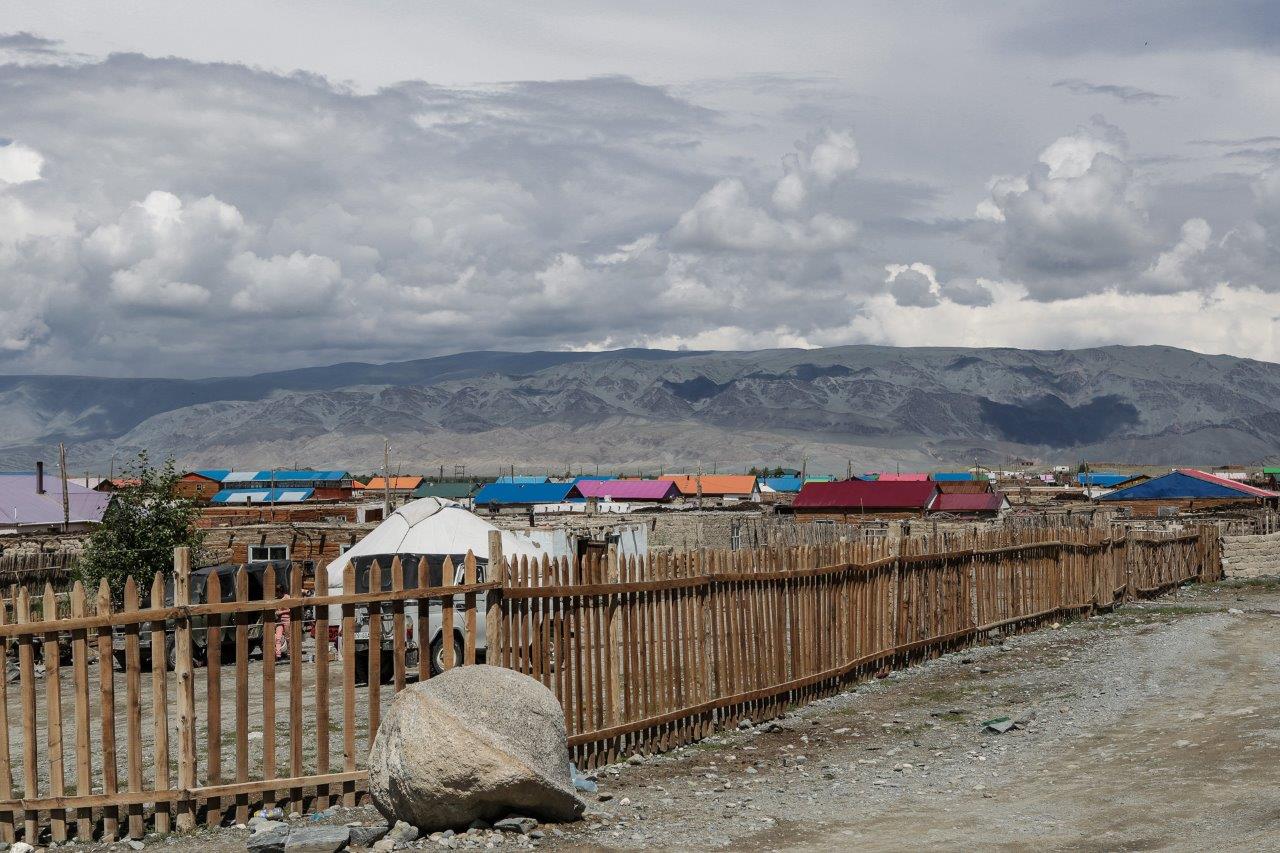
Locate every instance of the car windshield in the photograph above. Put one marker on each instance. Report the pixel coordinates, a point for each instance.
(411, 564)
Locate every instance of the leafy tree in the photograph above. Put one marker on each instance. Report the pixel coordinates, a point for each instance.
(144, 522)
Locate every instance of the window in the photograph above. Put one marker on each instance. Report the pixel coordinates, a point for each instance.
(263, 553)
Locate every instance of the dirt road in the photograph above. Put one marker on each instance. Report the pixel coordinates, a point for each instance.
(1156, 727)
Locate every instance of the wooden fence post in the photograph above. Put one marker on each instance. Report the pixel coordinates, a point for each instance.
(497, 570)
(614, 657)
(186, 820)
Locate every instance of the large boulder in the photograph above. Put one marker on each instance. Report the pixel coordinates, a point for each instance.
(475, 743)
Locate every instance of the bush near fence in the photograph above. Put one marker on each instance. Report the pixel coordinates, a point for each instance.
(644, 655)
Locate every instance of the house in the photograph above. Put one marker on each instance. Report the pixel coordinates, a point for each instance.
(727, 488)
(964, 487)
(896, 477)
(497, 496)
(632, 491)
(1187, 490)
(854, 500)
(32, 502)
(1101, 479)
(972, 505)
(400, 486)
(263, 496)
(199, 485)
(952, 476)
(521, 479)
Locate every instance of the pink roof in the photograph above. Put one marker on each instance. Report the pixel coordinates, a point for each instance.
(1230, 484)
(885, 477)
(629, 490)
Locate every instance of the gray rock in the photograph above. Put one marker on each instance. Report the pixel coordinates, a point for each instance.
(448, 752)
(317, 839)
(365, 836)
(270, 840)
(383, 845)
(21, 847)
(517, 824)
(135, 844)
(403, 833)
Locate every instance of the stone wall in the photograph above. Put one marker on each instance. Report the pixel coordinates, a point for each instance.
(1251, 556)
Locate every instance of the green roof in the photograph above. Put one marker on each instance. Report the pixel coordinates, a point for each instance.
(1273, 471)
(448, 491)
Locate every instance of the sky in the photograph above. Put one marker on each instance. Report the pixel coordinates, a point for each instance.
(194, 189)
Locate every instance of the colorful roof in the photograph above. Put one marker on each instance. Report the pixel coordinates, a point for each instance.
(950, 476)
(855, 495)
(1187, 483)
(21, 504)
(893, 477)
(283, 475)
(403, 484)
(713, 485)
(785, 484)
(522, 479)
(215, 474)
(628, 490)
(262, 496)
(980, 502)
(448, 491)
(522, 494)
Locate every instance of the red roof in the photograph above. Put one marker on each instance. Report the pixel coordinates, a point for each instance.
(909, 477)
(857, 495)
(1230, 484)
(971, 502)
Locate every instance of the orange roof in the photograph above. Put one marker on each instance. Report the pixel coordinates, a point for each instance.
(406, 484)
(713, 484)
(357, 485)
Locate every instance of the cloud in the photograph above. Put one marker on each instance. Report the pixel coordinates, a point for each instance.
(1171, 271)
(25, 42)
(1128, 94)
(19, 164)
(817, 164)
(726, 218)
(914, 285)
(294, 285)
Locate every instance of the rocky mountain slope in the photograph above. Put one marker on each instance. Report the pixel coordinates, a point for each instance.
(643, 409)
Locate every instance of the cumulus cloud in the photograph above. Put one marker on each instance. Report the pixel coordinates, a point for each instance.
(818, 163)
(19, 164)
(914, 285)
(726, 218)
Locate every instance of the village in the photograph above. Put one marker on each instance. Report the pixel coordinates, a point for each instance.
(658, 612)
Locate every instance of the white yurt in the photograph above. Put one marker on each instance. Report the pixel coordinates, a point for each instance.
(431, 527)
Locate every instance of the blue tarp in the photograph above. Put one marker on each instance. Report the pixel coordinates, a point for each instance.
(950, 476)
(518, 494)
(1175, 485)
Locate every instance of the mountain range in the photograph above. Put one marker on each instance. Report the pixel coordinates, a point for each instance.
(869, 407)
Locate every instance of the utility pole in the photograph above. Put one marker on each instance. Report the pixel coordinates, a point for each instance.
(386, 479)
(698, 485)
(66, 501)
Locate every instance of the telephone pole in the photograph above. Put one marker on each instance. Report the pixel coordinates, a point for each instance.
(62, 473)
(386, 480)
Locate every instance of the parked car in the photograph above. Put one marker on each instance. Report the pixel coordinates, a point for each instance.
(438, 646)
(198, 587)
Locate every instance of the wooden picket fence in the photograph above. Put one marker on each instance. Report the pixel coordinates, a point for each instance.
(644, 655)
(649, 654)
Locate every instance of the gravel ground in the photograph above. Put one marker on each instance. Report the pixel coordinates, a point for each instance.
(1154, 727)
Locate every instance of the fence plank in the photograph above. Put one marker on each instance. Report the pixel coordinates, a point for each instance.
(270, 769)
(107, 706)
(242, 694)
(8, 818)
(322, 650)
(160, 661)
(295, 683)
(133, 707)
(186, 690)
(349, 685)
(213, 699)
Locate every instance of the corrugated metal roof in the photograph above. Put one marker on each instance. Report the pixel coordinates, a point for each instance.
(1106, 479)
(449, 491)
(785, 484)
(404, 483)
(628, 490)
(520, 494)
(713, 484)
(1186, 483)
(981, 502)
(262, 496)
(215, 474)
(855, 495)
(21, 504)
(521, 480)
(950, 476)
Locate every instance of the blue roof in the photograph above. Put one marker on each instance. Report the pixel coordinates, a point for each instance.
(1179, 485)
(279, 476)
(1105, 479)
(515, 494)
(595, 478)
(521, 479)
(262, 496)
(950, 476)
(217, 474)
(782, 484)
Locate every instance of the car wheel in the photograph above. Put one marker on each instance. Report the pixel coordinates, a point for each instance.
(438, 654)
(384, 663)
